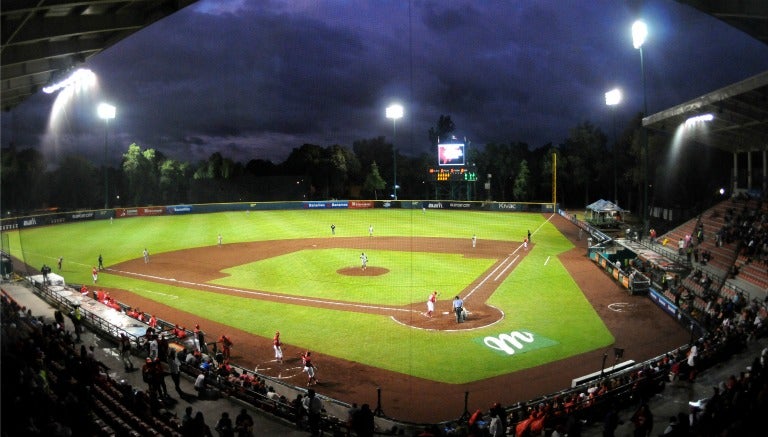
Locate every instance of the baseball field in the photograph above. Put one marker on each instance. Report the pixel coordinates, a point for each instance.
(538, 316)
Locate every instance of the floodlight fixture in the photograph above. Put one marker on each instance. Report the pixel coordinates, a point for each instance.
(106, 111)
(699, 119)
(395, 111)
(639, 33)
(613, 97)
(80, 78)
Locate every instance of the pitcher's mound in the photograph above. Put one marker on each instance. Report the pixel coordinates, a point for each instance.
(357, 271)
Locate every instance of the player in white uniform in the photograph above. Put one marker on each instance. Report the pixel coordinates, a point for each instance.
(278, 346)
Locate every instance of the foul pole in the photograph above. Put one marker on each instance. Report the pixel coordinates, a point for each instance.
(554, 179)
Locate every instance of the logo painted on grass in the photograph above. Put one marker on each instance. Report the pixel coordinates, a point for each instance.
(516, 342)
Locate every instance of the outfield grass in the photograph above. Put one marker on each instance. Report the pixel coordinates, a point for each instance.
(532, 297)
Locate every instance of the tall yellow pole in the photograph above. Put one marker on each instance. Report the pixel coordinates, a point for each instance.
(554, 179)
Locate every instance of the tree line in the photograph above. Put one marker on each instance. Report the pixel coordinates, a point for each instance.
(589, 167)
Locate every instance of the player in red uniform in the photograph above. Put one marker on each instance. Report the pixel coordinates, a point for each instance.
(226, 346)
(431, 303)
(278, 346)
(309, 368)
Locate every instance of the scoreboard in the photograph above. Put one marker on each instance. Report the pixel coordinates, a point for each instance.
(452, 174)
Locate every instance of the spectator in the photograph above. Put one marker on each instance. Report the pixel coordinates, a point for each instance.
(299, 412)
(351, 416)
(642, 421)
(200, 427)
(186, 421)
(363, 422)
(224, 426)
(313, 407)
(174, 368)
(125, 351)
(200, 385)
(244, 424)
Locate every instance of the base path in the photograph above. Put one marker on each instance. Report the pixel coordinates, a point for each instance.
(639, 327)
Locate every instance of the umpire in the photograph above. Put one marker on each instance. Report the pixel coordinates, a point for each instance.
(458, 308)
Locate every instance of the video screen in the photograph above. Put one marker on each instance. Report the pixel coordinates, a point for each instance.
(450, 154)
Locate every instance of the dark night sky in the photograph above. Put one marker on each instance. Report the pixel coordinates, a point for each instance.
(257, 79)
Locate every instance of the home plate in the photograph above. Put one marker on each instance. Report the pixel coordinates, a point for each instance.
(445, 313)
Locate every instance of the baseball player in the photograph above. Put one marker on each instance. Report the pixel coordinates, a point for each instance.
(278, 346)
(431, 303)
(309, 368)
(363, 261)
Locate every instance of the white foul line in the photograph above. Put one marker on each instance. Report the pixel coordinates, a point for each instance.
(273, 295)
(506, 268)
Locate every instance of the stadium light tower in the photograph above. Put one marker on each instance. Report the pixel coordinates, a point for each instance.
(106, 112)
(395, 112)
(639, 34)
(612, 99)
(80, 78)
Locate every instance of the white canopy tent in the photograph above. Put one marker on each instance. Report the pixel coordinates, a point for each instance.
(604, 212)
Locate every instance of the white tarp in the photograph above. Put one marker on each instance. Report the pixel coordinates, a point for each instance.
(604, 206)
(53, 279)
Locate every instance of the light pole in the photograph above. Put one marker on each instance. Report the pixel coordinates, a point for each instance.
(394, 112)
(106, 112)
(613, 98)
(639, 33)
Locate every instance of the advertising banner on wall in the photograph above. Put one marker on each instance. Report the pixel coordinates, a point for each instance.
(80, 216)
(179, 209)
(335, 204)
(361, 204)
(522, 207)
(139, 212)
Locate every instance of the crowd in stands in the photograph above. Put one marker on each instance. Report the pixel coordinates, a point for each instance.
(748, 229)
(733, 408)
(58, 388)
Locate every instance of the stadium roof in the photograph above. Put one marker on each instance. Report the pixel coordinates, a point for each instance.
(44, 39)
(740, 116)
(749, 16)
(740, 110)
